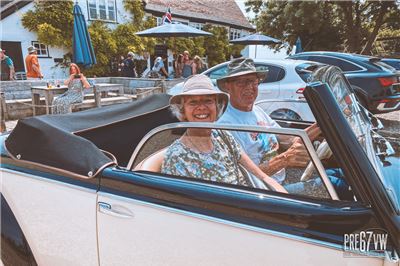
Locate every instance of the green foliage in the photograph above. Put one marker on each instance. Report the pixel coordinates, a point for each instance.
(216, 46)
(104, 46)
(52, 21)
(350, 26)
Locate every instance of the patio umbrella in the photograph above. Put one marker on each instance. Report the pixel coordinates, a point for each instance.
(173, 30)
(299, 49)
(256, 39)
(83, 52)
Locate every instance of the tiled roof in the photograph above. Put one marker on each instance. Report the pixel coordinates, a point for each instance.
(218, 11)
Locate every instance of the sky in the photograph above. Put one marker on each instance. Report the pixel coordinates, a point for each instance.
(242, 7)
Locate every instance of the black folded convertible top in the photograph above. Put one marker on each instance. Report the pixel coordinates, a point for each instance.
(74, 142)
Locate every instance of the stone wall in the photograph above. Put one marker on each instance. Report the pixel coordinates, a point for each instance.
(18, 93)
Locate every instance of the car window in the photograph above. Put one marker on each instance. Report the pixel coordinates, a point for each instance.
(219, 72)
(275, 73)
(170, 152)
(342, 64)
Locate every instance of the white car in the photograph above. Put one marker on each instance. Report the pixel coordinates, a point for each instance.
(281, 93)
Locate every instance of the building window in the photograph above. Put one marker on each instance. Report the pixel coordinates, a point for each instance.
(42, 49)
(159, 21)
(198, 26)
(234, 34)
(102, 10)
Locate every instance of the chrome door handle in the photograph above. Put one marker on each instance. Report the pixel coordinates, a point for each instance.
(107, 209)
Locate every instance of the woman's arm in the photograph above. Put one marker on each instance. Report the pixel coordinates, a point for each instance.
(68, 80)
(252, 168)
(164, 72)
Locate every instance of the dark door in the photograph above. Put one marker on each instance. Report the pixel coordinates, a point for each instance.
(14, 51)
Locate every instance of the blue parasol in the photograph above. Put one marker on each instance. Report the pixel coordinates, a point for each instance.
(299, 49)
(173, 29)
(255, 39)
(83, 52)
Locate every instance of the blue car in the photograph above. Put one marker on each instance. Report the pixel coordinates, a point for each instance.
(377, 86)
(395, 63)
(86, 189)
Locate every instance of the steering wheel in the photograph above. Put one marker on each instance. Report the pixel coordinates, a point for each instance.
(323, 152)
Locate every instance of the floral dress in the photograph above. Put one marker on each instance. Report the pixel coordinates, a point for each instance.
(219, 165)
(74, 94)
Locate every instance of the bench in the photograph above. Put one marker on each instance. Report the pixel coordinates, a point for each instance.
(91, 103)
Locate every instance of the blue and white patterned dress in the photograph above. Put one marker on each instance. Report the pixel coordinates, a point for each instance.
(74, 94)
(218, 165)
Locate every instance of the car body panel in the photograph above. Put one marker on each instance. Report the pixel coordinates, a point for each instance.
(41, 209)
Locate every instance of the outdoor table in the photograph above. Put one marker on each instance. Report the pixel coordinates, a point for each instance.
(48, 94)
(102, 89)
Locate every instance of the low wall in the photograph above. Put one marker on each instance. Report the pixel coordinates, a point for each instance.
(18, 93)
(21, 89)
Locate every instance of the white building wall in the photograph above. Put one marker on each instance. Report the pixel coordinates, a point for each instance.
(11, 29)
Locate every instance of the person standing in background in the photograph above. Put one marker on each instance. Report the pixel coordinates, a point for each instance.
(179, 66)
(128, 69)
(198, 65)
(187, 70)
(32, 64)
(7, 66)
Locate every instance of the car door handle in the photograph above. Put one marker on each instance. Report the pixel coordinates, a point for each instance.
(117, 212)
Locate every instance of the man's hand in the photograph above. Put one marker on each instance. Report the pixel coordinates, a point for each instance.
(296, 155)
(313, 131)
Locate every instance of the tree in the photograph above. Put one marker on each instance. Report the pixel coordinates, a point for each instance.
(350, 26)
(52, 21)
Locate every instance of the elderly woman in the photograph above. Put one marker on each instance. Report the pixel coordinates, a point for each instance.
(76, 83)
(205, 153)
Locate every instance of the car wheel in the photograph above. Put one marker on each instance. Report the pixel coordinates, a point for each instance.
(285, 114)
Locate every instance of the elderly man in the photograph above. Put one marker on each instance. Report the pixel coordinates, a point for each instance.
(32, 64)
(7, 66)
(241, 83)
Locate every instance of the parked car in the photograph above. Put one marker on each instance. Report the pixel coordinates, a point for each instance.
(376, 85)
(74, 191)
(286, 80)
(395, 63)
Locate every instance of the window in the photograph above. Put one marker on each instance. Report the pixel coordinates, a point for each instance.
(342, 64)
(102, 10)
(42, 49)
(218, 73)
(159, 21)
(234, 34)
(198, 26)
(274, 73)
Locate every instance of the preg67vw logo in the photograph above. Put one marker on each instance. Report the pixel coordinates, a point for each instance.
(367, 242)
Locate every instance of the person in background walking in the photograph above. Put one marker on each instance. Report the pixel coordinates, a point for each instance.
(198, 65)
(76, 83)
(32, 64)
(179, 66)
(7, 66)
(187, 70)
(158, 69)
(128, 70)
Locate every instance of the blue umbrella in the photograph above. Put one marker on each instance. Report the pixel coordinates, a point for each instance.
(83, 52)
(299, 49)
(173, 29)
(255, 39)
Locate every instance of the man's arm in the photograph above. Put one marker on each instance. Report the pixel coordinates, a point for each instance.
(35, 66)
(10, 65)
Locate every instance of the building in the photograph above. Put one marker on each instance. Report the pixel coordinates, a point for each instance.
(15, 38)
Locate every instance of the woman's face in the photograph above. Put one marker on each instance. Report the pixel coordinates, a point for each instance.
(74, 70)
(200, 108)
(186, 56)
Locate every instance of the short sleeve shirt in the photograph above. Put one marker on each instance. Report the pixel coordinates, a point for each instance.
(218, 165)
(259, 147)
(158, 64)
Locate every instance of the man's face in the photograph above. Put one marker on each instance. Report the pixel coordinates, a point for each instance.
(2, 55)
(243, 91)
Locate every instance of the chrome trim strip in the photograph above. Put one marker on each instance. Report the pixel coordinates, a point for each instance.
(285, 131)
(254, 193)
(50, 180)
(381, 107)
(225, 222)
(281, 100)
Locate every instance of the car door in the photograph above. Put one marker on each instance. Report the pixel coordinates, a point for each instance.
(56, 212)
(148, 218)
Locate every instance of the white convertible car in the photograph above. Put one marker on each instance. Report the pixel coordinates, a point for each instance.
(79, 189)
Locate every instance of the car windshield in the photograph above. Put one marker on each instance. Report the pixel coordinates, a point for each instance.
(375, 146)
